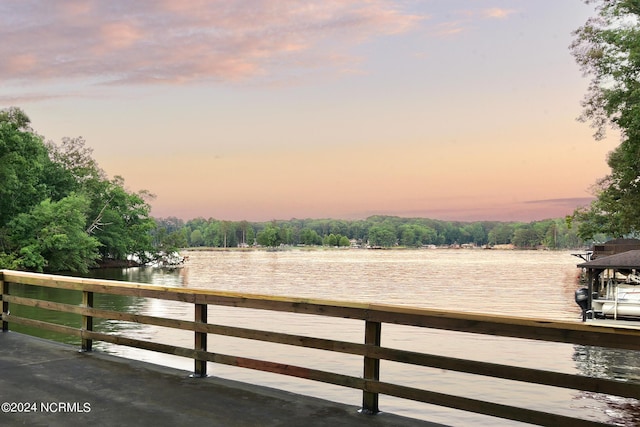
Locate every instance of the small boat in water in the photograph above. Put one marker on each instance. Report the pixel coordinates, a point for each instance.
(613, 286)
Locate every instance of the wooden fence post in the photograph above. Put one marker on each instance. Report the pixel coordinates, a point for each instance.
(87, 321)
(372, 333)
(200, 340)
(5, 304)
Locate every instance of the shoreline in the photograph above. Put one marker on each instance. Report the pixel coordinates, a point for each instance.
(343, 248)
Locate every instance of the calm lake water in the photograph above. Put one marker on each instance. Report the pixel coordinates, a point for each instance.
(537, 284)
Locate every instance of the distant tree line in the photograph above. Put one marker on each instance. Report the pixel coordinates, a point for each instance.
(375, 231)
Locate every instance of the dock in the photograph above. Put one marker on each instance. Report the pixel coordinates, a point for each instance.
(90, 387)
(54, 384)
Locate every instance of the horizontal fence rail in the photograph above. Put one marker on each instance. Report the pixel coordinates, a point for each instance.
(371, 350)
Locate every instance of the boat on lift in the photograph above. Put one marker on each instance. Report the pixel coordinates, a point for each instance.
(613, 286)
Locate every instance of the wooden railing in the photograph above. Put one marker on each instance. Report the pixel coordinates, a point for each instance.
(372, 352)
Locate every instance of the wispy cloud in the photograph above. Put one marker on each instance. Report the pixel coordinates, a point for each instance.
(497, 13)
(530, 210)
(572, 201)
(464, 20)
(449, 28)
(6, 100)
(120, 41)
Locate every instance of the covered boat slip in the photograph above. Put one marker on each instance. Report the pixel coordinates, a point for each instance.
(613, 286)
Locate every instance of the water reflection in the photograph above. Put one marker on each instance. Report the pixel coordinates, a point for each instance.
(108, 302)
(158, 276)
(611, 364)
(607, 363)
(48, 294)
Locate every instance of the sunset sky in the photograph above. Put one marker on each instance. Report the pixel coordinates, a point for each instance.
(279, 109)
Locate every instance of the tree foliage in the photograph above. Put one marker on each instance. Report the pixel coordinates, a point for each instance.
(58, 210)
(377, 231)
(22, 162)
(269, 236)
(607, 48)
(51, 236)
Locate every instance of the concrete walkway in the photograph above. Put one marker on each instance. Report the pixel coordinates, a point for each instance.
(60, 386)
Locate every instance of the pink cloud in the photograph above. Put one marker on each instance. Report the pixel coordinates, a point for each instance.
(119, 35)
(449, 28)
(21, 63)
(497, 12)
(534, 210)
(75, 9)
(466, 19)
(119, 41)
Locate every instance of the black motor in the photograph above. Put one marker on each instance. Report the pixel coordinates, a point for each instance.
(582, 299)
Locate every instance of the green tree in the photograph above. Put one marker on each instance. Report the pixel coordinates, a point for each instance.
(286, 234)
(475, 233)
(251, 236)
(383, 236)
(117, 217)
(452, 234)
(310, 237)
(226, 229)
(357, 230)
(210, 233)
(73, 166)
(196, 239)
(169, 243)
(425, 235)
(501, 234)
(526, 236)
(120, 220)
(41, 183)
(243, 231)
(52, 237)
(269, 236)
(23, 157)
(330, 240)
(407, 235)
(607, 48)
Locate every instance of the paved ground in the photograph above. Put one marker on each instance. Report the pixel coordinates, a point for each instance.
(60, 386)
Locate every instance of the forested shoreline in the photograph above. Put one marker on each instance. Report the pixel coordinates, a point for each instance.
(375, 231)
